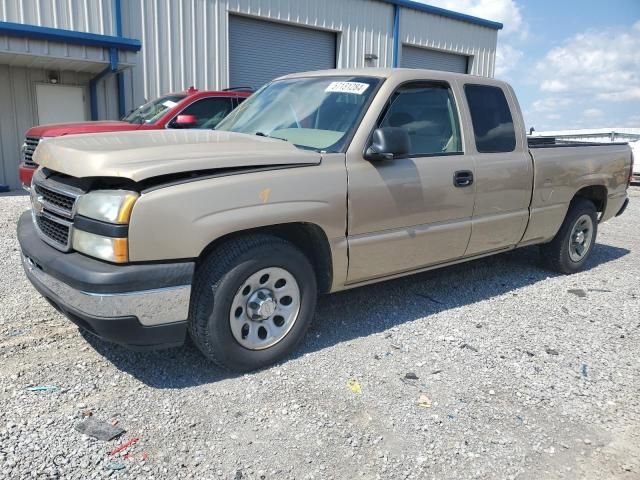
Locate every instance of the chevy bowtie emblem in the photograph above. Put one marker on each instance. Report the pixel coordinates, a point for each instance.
(37, 203)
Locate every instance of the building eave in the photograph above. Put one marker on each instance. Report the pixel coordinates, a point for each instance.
(443, 12)
(68, 36)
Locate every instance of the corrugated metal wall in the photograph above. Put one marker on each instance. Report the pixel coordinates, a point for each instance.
(187, 43)
(94, 16)
(26, 62)
(184, 42)
(40, 53)
(422, 29)
(107, 97)
(19, 112)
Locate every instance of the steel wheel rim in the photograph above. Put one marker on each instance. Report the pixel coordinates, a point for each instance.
(580, 238)
(265, 308)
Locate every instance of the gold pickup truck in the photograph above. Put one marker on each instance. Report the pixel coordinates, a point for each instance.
(319, 182)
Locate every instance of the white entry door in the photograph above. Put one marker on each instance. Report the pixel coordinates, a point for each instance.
(60, 103)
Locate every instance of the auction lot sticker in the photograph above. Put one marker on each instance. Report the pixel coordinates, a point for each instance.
(347, 87)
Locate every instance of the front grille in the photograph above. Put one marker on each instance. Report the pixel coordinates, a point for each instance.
(30, 144)
(53, 206)
(53, 230)
(57, 201)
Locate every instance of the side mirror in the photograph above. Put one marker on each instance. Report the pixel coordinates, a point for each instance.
(185, 121)
(388, 143)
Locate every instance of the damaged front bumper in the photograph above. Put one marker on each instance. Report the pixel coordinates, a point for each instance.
(139, 306)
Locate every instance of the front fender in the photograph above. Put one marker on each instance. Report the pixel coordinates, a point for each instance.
(179, 221)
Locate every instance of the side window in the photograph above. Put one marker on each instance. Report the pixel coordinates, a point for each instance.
(428, 112)
(491, 118)
(209, 111)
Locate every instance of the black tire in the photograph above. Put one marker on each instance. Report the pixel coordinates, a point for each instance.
(556, 254)
(218, 279)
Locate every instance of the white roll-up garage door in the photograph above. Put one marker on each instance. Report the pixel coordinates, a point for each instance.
(414, 57)
(260, 51)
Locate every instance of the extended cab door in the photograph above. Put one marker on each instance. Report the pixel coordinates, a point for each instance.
(411, 212)
(502, 165)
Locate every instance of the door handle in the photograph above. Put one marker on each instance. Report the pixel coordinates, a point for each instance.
(463, 178)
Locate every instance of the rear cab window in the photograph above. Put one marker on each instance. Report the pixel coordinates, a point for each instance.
(491, 118)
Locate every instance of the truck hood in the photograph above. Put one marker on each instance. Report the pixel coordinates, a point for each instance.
(59, 129)
(146, 154)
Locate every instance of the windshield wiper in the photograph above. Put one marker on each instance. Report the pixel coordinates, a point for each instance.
(262, 134)
(302, 147)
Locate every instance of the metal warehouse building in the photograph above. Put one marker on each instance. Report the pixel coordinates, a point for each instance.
(69, 60)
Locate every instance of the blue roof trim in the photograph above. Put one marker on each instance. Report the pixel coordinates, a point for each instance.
(422, 7)
(117, 8)
(122, 110)
(68, 36)
(396, 34)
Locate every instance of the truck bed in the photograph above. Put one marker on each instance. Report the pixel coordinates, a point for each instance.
(563, 168)
(553, 142)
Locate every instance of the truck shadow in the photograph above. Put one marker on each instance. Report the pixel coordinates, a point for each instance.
(361, 312)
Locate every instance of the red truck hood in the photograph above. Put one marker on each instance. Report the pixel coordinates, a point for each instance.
(59, 129)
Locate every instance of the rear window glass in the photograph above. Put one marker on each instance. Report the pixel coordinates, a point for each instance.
(491, 118)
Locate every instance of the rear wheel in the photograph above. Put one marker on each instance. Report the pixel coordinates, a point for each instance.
(571, 247)
(253, 300)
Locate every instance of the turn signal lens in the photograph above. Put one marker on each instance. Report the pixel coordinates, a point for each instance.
(114, 250)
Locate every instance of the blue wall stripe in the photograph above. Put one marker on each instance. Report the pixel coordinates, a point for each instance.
(445, 13)
(68, 36)
(396, 35)
(117, 8)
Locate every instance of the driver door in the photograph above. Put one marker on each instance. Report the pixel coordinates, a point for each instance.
(409, 213)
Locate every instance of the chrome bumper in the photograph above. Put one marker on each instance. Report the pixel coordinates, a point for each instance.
(150, 307)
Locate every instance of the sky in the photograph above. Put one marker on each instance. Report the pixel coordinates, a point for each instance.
(573, 64)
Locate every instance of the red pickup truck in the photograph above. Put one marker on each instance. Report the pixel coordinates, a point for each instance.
(189, 109)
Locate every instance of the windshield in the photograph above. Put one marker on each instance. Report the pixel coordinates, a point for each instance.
(317, 113)
(150, 112)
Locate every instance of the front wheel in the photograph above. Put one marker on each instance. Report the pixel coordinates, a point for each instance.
(571, 247)
(253, 300)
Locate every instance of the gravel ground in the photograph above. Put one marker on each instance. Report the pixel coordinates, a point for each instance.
(514, 372)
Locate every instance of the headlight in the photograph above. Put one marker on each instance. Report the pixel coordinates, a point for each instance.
(114, 250)
(112, 206)
(91, 236)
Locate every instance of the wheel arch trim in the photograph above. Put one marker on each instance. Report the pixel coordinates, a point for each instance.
(310, 238)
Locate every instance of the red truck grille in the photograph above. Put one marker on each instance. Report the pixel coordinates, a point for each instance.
(30, 144)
